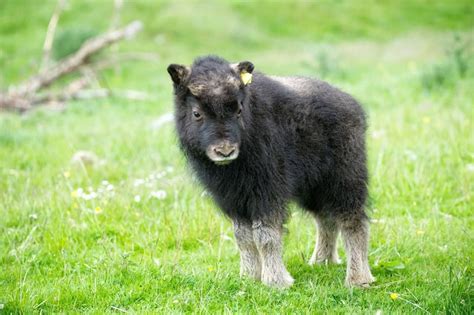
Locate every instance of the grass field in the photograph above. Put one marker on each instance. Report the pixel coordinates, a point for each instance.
(152, 240)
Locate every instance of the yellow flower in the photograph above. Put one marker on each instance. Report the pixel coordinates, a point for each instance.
(420, 232)
(426, 120)
(77, 193)
(210, 268)
(75, 205)
(394, 296)
(98, 209)
(67, 174)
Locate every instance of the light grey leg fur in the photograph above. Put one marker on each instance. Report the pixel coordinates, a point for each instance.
(250, 264)
(325, 250)
(268, 239)
(356, 238)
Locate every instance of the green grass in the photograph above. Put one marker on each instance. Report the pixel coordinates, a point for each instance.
(177, 254)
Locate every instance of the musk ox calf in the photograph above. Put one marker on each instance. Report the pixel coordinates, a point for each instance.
(257, 142)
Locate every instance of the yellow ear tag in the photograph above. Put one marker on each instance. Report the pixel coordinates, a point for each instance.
(246, 77)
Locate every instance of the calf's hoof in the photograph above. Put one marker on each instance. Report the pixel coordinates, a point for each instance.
(251, 274)
(282, 280)
(323, 261)
(360, 281)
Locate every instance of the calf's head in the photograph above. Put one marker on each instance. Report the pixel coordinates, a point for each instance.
(211, 99)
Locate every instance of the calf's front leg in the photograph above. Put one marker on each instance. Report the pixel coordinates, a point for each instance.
(250, 264)
(268, 240)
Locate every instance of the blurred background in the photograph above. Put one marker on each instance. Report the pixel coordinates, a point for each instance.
(99, 210)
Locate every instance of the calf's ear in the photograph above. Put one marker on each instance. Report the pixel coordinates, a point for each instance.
(245, 66)
(178, 73)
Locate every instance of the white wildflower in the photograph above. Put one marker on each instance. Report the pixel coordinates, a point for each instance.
(377, 134)
(137, 198)
(159, 194)
(104, 183)
(160, 175)
(110, 187)
(138, 182)
(90, 196)
(443, 248)
(411, 155)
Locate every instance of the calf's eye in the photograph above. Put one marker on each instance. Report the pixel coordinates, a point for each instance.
(239, 112)
(196, 114)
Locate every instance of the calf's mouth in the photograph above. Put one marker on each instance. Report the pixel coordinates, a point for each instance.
(223, 153)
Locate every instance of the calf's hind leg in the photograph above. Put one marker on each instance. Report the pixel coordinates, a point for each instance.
(325, 250)
(355, 232)
(250, 264)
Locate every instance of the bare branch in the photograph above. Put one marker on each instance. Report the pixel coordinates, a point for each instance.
(8, 101)
(68, 93)
(118, 4)
(22, 97)
(48, 41)
(76, 60)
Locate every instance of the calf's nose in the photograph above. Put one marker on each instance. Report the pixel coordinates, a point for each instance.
(225, 150)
